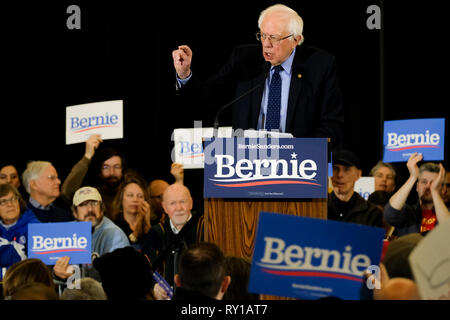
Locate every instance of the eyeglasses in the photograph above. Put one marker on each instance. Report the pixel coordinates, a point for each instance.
(4, 202)
(114, 167)
(53, 177)
(87, 203)
(274, 39)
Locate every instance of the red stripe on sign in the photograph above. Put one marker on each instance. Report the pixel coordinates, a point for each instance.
(262, 183)
(312, 274)
(61, 250)
(413, 147)
(96, 127)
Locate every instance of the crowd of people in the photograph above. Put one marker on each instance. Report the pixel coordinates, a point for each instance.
(148, 238)
(140, 227)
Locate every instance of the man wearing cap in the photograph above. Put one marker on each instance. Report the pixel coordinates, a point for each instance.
(106, 236)
(344, 204)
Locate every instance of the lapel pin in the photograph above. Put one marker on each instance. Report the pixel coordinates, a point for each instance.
(299, 75)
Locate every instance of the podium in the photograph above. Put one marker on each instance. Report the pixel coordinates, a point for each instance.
(232, 223)
(295, 183)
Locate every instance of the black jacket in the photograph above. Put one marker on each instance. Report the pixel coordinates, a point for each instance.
(162, 246)
(315, 107)
(360, 211)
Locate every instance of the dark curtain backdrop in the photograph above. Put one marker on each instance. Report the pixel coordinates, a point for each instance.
(123, 51)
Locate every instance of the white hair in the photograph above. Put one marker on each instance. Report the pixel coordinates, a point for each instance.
(33, 172)
(295, 23)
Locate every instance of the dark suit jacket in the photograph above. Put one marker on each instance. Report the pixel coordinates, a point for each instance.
(315, 107)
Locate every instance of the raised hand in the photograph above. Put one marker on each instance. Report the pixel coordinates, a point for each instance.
(182, 59)
(92, 144)
(412, 164)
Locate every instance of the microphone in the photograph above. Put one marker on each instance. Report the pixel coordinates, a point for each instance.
(246, 93)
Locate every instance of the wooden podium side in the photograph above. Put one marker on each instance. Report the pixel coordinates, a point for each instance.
(232, 223)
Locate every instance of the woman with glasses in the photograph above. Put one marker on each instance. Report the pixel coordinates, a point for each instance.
(131, 210)
(14, 220)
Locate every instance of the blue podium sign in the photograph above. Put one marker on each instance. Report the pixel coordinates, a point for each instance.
(310, 258)
(266, 168)
(51, 241)
(402, 138)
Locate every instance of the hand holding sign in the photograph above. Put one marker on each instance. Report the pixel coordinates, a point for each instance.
(92, 144)
(177, 170)
(403, 137)
(62, 268)
(105, 118)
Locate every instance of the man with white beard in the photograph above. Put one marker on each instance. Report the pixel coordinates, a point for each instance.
(165, 242)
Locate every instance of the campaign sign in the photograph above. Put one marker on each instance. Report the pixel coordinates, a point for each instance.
(310, 258)
(266, 168)
(188, 145)
(365, 186)
(51, 241)
(103, 118)
(402, 138)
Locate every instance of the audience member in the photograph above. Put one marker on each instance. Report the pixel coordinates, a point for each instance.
(380, 198)
(10, 174)
(396, 257)
(164, 241)
(125, 274)
(35, 291)
(106, 236)
(89, 289)
(132, 210)
(202, 273)
(430, 209)
(156, 189)
(239, 270)
(26, 272)
(41, 181)
(14, 220)
(385, 175)
(344, 204)
(106, 168)
(396, 288)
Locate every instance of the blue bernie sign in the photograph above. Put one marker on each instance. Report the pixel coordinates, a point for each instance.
(51, 241)
(310, 258)
(266, 168)
(401, 138)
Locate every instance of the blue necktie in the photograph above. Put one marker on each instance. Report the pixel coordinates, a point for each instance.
(274, 102)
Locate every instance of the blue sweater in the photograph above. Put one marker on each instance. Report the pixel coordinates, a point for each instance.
(13, 240)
